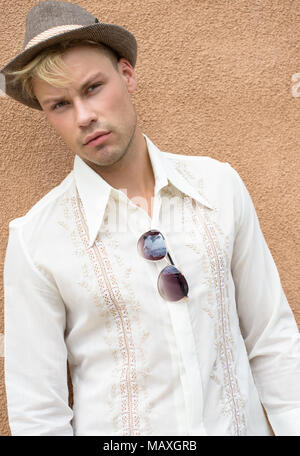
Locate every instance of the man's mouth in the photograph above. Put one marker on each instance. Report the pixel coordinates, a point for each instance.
(96, 138)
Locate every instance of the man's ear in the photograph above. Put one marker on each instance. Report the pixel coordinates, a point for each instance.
(127, 72)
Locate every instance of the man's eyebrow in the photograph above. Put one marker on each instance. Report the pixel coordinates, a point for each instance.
(82, 88)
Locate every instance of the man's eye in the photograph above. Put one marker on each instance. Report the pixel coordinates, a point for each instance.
(61, 103)
(58, 105)
(93, 87)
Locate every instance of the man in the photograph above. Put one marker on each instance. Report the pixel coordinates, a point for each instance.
(146, 271)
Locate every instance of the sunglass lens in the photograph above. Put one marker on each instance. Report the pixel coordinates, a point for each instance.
(151, 245)
(171, 284)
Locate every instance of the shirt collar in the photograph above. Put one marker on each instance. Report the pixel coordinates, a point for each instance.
(166, 167)
(94, 194)
(94, 191)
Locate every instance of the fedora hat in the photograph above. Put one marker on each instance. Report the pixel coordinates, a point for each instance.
(51, 22)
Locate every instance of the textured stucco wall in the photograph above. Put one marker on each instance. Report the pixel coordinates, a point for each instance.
(215, 77)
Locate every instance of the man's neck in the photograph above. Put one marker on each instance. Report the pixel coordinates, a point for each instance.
(134, 174)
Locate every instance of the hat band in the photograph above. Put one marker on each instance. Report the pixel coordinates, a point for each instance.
(50, 33)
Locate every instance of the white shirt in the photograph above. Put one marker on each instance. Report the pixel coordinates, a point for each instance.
(77, 290)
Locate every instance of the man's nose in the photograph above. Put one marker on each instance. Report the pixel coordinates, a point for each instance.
(85, 114)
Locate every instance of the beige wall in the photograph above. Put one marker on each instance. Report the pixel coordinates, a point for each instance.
(214, 78)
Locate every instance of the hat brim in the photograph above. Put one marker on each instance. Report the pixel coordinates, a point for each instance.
(113, 36)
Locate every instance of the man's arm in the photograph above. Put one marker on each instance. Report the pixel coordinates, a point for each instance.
(267, 323)
(35, 351)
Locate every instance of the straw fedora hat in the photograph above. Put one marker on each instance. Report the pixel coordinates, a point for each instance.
(50, 22)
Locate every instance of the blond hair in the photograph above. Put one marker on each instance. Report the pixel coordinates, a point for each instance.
(49, 66)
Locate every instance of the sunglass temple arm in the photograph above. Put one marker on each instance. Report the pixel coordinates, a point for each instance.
(170, 258)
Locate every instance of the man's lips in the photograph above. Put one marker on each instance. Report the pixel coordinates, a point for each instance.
(96, 138)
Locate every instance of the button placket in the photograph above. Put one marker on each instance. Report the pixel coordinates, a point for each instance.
(190, 373)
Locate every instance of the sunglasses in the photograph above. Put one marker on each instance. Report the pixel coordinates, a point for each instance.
(171, 284)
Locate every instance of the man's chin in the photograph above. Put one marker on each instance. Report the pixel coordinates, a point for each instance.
(102, 159)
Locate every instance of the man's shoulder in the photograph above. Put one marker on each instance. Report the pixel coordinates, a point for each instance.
(203, 166)
(46, 204)
(203, 161)
(216, 180)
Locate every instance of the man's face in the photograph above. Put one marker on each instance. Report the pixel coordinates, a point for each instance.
(102, 106)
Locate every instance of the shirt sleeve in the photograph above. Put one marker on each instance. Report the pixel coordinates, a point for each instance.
(35, 363)
(267, 323)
